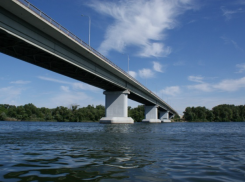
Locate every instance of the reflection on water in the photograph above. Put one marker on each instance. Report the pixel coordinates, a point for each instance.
(49, 151)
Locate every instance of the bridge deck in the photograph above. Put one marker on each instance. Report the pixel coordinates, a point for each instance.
(29, 16)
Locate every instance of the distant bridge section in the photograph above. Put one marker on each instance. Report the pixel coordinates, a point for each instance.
(30, 35)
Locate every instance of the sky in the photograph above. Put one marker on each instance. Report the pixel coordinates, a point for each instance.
(189, 52)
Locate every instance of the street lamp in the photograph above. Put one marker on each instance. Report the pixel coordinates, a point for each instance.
(89, 25)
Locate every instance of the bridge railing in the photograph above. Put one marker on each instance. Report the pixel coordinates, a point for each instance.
(49, 20)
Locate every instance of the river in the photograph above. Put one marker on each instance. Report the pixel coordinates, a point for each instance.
(55, 151)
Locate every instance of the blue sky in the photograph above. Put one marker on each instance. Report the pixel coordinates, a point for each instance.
(190, 53)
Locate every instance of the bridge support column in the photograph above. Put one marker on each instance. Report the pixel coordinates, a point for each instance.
(151, 115)
(116, 107)
(164, 116)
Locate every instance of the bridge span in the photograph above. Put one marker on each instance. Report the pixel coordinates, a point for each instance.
(28, 34)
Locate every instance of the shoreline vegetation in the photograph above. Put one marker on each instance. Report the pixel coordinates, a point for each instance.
(29, 112)
(220, 113)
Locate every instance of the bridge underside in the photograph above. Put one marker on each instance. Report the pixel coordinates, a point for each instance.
(15, 47)
(22, 50)
(26, 36)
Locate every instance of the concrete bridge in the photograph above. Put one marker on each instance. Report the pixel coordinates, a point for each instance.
(28, 34)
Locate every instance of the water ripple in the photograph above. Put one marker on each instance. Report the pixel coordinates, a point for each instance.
(192, 152)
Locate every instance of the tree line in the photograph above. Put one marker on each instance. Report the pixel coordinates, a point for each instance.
(30, 112)
(220, 113)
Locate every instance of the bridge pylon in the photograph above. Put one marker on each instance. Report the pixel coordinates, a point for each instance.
(164, 116)
(151, 114)
(116, 108)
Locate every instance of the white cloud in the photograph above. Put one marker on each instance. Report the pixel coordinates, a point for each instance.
(195, 79)
(140, 23)
(75, 85)
(228, 13)
(53, 80)
(8, 95)
(192, 21)
(241, 67)
(70, 93)
(68, 98)
(154, 49)
(225, 39)
(234, 43)
(84, 86)
(237, 46)
(231, 85)
(20, 82)
(133, 74)
(146, 73)
(174, 90)
(65, 89)
(157, 66)
(205, 87)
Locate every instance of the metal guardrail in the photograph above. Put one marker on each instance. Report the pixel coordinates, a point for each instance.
(52, 22)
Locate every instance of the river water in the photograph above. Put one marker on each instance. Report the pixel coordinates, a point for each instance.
(54, 151)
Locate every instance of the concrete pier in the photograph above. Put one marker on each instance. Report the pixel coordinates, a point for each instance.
(151, 115)
(164, 116)
(116, 108)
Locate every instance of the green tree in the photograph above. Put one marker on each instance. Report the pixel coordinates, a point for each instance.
(189, 115)
(3, 116)
(137, 113)
(210, 115)
(176, 117)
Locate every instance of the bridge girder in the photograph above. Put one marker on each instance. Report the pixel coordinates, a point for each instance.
(37, 42)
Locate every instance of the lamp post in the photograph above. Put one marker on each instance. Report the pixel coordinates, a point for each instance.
(89, 25)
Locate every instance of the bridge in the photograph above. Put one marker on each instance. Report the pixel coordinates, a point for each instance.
(28, 34)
